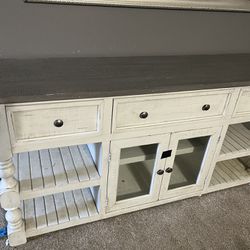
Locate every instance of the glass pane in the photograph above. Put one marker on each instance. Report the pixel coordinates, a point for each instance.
(188, 161)
(135, 171)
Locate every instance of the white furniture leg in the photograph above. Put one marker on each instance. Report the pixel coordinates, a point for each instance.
(9, 194)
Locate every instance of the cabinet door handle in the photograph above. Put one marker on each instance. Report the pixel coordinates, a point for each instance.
(143, 115)
(166, 154)
(58, 123)
(160, 172)
(206, 107)
(169, 170)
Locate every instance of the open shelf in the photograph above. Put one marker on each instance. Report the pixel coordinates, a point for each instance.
(53, 212)
(55, 170)
(142, 153)
(228, 174)
(237, 142)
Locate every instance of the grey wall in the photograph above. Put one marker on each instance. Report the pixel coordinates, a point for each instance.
(32, 30)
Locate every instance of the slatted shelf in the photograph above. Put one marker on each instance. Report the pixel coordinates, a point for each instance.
(55, 170)
(236, 143)
(228, 174)
(139, 154)
(53, 212)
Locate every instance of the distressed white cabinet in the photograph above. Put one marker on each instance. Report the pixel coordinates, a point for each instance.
(147, 169)
(70, 162)
(185, 172)
(133, 178)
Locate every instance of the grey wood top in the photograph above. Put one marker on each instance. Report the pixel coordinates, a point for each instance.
(24, 80)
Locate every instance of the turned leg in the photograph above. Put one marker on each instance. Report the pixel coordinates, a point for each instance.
(9, 193)
(10, 202)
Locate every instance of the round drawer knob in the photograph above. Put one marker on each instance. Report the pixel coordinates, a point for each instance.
(169, 170)
(206, 107)
(160, 172)
(143, 115)
(58, 123)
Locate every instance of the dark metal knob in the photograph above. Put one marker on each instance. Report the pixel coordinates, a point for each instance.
(206, 107)
(58, 123)
(169, 170)
(143, 115)
(160, 172)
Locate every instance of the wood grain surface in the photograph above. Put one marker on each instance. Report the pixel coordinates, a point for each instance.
(24, 80)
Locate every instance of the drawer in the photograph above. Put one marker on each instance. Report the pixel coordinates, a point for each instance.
(243, 104)
(38, 121)
(130, 113)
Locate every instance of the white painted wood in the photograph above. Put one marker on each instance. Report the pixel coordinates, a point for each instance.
(231, 173)
(80, 203)
(68, 165)
(103, 133)
(9, 195)
(56, 170)
(88, 161)
(70, 205)
(136, 154)
(29, 211)
(61, 210)
(24, 172)
(50, 211)
(37, 121)
(116, 147)
(58, 210)
(213, 133)
(46, 167)
(35, 169)
(90, 204)
(40, 212)
(179, 107)
(236, 143)
(243, 104)
(59, 206)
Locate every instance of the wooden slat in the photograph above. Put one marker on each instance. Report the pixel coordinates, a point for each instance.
(87, 158)
(57, 170)
(80, 203)
(62, 213)
(50, 210)
(68, 165)
(89, 202)
(29, 214)
(59, 209)
(35, 169)
(228, 174)
(24, 172)
(41, 221)
(47, 171)
(78, 163)
(70, 205)
(236, 143)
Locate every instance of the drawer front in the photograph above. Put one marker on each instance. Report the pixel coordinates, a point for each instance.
(243, 104)
(157, 110)
(50, 120)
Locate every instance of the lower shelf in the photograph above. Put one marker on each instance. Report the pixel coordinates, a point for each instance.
(228, 174)
(53, 212)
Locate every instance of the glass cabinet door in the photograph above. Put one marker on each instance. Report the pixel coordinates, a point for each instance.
(135, 171)
(186, 169)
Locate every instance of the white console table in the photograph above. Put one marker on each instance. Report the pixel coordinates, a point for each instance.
(73, 153)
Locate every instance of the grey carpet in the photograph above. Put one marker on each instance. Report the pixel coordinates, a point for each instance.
(219, 220)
